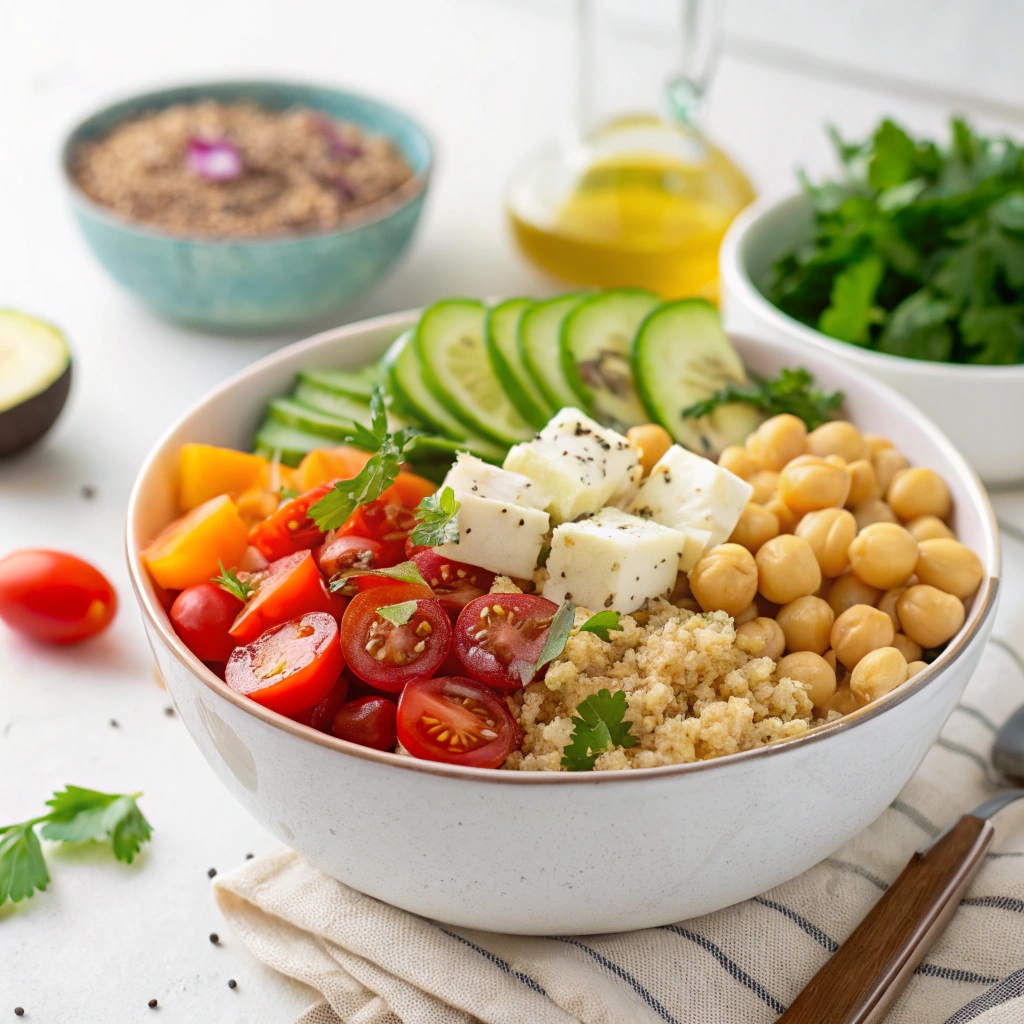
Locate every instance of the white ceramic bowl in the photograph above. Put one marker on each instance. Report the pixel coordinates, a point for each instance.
(981, 408)
(558, 853)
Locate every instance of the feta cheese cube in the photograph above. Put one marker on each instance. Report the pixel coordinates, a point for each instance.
(580, 463)
(612, 560)
(687, 491)
(696, 542)
(502, 522)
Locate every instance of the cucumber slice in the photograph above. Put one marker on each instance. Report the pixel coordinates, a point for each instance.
(429, 447)
(681, 355)
(356, 383)
(289, 444)
(538, 342)
(450, 343)
(302, 417)
(334, 403)
(596, 343)
(501, 334)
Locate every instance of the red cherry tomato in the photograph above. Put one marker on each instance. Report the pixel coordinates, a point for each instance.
(321, 716)
(290, 529)
(387, 523)
(54, 597)
(388, 656)
(454, 584)
(369, 721)
(497, 633)
(286, 589)
(290, 668)
(348, 552)
(202, 615)
(456, 720)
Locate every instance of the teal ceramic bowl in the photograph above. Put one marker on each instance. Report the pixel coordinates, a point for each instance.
(256, 285)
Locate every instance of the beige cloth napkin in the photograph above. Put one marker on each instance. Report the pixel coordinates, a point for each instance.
(374, 964)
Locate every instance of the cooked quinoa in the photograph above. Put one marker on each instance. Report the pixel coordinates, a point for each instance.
(694, 690)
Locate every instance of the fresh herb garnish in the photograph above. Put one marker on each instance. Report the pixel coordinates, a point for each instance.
(792, 391)
(375, 477)
(600, 623)
(228, 580)
(554, 644)
(405, 572)
(597, 728)
(437, 519)
(77, 816)
(917, 250)
(398, 614)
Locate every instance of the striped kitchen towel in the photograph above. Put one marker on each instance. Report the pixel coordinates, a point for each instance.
(374, 964)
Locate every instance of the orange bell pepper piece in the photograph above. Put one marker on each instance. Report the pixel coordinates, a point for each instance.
(325, 464)
(190, 549)
(206, 471)
(409, 490)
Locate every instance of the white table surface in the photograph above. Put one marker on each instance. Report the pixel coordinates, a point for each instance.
(490, 79)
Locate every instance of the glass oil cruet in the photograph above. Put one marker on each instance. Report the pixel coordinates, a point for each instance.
(635, 195)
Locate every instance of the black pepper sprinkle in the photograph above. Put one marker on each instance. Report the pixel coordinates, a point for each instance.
(211, 873)
(469, 530)
(19, 1011)
(152, 1004)
(232, 983)
(114, 724)
(248, 856)
(521, 522)
(214, 938)
(168, 711)
(88, 492)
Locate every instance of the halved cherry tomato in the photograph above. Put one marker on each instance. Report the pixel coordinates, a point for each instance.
(286, 589)
(386, 522)
(290, 668)
(388, 656)
(290, 529)
(322, 716)
(497, 634)
(369, 721)
(454, 584)
(53, 596)
(456, 720)
(202, 615)
(348, 552)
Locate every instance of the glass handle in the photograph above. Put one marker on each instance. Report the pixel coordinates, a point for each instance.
(699, 45)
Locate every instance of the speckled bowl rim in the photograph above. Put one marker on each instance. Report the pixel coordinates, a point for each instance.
(104, 213)
(982, 608)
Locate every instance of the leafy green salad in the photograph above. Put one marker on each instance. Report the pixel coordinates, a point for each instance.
(917, 250)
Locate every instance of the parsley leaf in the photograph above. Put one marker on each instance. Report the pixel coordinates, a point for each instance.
(852, 311)
(554, 644)
(598, 726)
(790, 392)
(600, 623)
(406, 572)
(228, 580)
(398, 614)
(22, 868)
(437, 519)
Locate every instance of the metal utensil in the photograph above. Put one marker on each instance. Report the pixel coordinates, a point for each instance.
(866, 976)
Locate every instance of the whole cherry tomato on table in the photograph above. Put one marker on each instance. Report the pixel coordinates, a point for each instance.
(369, 721)
(53, 596)
(202, 615)
(456, 720)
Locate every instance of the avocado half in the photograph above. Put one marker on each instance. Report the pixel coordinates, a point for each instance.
(35, 378)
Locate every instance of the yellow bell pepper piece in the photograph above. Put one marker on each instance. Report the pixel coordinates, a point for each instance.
(190, 549)
(205, 471)
(326, 464)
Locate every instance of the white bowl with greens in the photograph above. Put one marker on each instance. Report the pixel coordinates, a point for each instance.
(910, 268)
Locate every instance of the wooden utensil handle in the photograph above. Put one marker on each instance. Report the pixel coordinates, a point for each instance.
(869, 971)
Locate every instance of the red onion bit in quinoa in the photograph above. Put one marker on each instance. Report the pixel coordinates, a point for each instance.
(214, 159)
(338, 144)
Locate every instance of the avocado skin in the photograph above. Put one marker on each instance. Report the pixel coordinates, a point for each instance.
(24, 424)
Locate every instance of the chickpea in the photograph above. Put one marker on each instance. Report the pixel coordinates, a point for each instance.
(813, 671)
(950, 566)
(883, 555)
(844, 701)
(910, 650)
(787, 569)
(875, 443)
(830, 532)
(863, 485)
(848, 591)
(808, 483)
(765, 483)
(887, 462)
(737, 460)
(877, 674)
(747, 615)
(887, 603)
(755, 526)
(768, 609)
(778, 441)
(688, 604)
(914, 667)
(919, 492)
(807, 624)
(725, 579)
(650, 441)
(681, 588)
(764, 632)
(874, 510)
(786, 516)
(837, 438)
(929, 616)
(830, 657)
(929, 528)
(836, 460)
(858, 631)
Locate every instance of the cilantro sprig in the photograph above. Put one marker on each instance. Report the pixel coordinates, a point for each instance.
(375, 477)
(792, 391)
(554, 644)
(598, 727)
(437, 519)
(228, 580)
(76, 816)
(600, 623)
